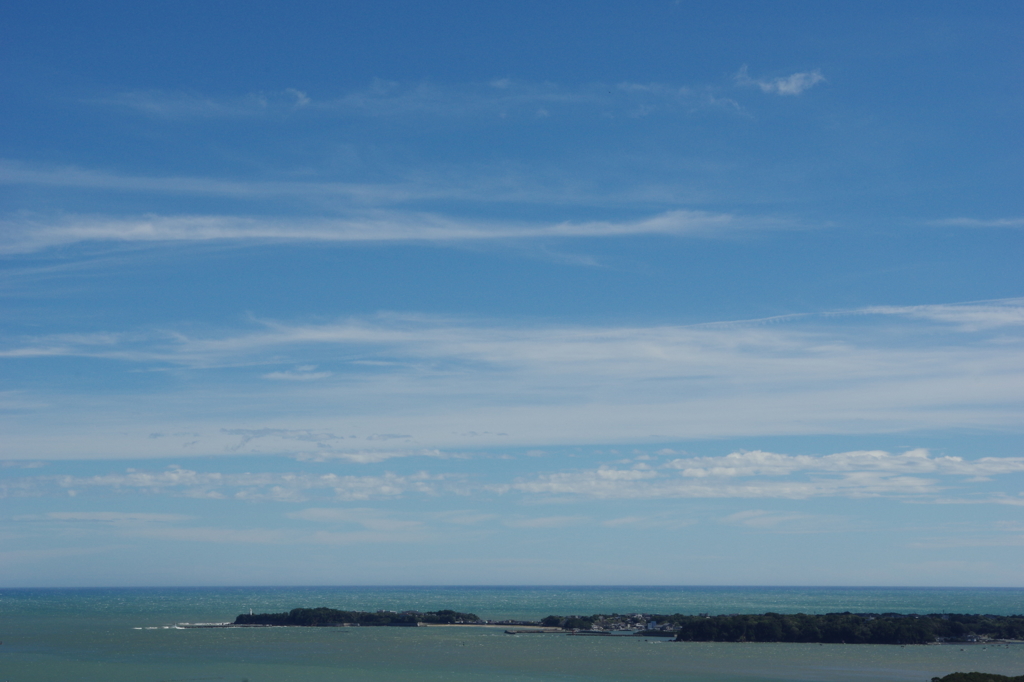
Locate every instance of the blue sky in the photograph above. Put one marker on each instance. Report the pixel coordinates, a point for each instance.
(511, 293)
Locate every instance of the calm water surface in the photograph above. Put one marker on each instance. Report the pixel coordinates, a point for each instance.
(101, 635)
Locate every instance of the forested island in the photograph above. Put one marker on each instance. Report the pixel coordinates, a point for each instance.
(831, 628)
(324, 617)
(977, 677)
(848, 628)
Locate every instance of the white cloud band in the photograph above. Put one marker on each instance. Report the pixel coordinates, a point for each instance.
(24, 236)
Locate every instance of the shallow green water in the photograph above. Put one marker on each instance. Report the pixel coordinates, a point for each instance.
(101, 635)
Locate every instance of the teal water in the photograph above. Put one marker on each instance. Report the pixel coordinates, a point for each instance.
(103, 634)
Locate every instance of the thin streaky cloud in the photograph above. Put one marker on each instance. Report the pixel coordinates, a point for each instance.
(500, 99)
(285, 487)
(296, 375)
(665, 521)
(370, 533)
(393, 340)
(974, 316)
(546, 521)
(14, 173)
(608, 483)
(974, 542)
(794, 84)
(997, 499)
(218, 535)
(913, 476)
(110, 517)
(918, 461)
(372, 456)
(265, 536)
(979, 222)
(498, 183)
(759, 518)
(371, 519)
(27, 236)
(443, 379)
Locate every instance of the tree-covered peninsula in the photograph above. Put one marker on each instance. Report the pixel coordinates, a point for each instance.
(830, 628)
(848, 628)
(978, 677)
(325, 617)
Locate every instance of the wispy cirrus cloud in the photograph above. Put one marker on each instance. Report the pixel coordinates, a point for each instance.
(29, 235)
(664, 520)
(371, 526)
(607, 483)
(16, 173)
(302, 373)
(267, 486)
(308, 445)
(793, 84)
(918, 461)
(911, 475)
(351, 525)
(371, 456)
(501, 184)
(499, 98)
(979, 222)
(373, 519)
(563, 521)
(107, 517)
(759, 518)
(192, 104)
(975, 540)
(977, 316)
(490, 384)
(997, 499)
(392, 341)
(20, 464)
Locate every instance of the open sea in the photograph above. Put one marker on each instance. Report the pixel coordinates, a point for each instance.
(122, 635)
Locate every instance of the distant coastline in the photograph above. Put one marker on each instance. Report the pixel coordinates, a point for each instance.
(325, 617)
(831, 628)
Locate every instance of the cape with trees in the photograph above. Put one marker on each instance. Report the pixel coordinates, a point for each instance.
(848, 628)
(325, 617)
(830, 628)
(977, 677)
